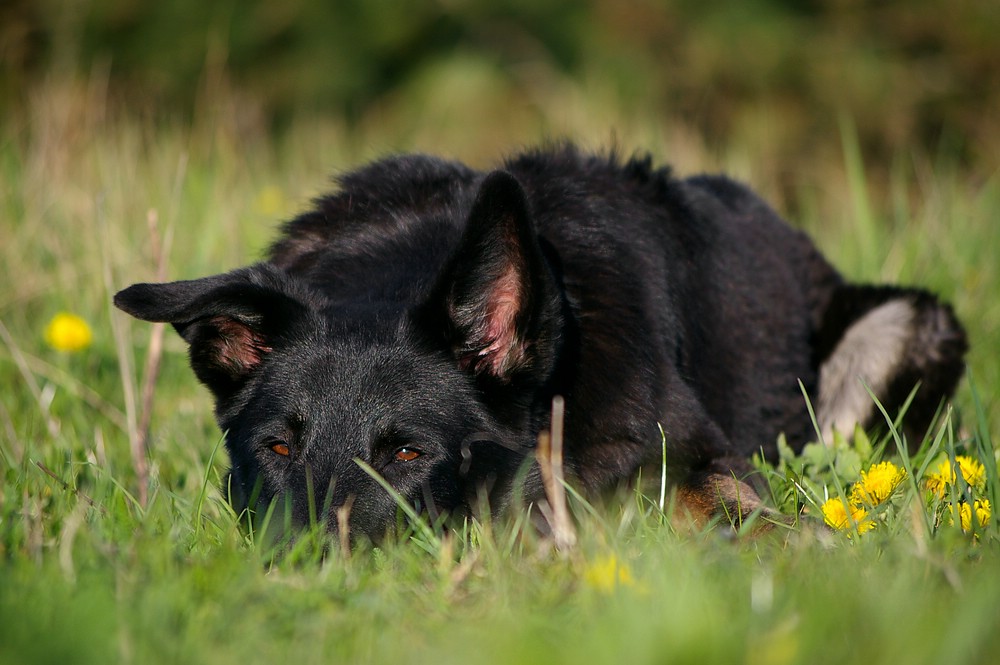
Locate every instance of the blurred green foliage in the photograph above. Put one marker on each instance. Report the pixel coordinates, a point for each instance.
(910, 73)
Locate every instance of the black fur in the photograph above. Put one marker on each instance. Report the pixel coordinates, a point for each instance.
(428, 308)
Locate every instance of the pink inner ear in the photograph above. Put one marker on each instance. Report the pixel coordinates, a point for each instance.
(502, 351)
(239, 347)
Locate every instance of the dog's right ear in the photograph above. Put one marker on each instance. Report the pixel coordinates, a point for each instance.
(496, 305)
(230, 321)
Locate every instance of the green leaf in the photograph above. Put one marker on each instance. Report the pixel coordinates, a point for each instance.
(863, 444)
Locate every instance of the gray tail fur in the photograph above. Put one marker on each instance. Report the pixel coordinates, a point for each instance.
(891, 340)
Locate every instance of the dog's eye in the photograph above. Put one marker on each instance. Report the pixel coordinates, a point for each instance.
(407, 454)
(280, 447)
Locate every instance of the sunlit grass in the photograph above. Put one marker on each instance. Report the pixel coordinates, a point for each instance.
(89, 571)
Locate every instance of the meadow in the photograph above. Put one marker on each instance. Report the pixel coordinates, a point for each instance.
(102, 560)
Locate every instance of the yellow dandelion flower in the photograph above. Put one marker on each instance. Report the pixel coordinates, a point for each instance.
(68, 332)
(835, 514)
(972, 470)
(982, 509)
(940, 478)
(877, 484)
(605, 574)
(943, 475)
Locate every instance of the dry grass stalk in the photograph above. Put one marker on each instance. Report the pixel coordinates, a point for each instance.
(344, 526)
(123, 348)
(550, 462)
(152, 368)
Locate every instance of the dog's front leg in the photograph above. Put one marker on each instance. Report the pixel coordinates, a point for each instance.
(714, 483)
(718, 494)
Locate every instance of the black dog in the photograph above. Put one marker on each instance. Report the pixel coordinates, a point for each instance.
(422, 319)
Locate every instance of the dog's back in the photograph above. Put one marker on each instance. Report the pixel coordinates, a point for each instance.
(685, 297)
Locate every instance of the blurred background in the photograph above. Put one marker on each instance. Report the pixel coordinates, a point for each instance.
(872, 124)
(779, 79)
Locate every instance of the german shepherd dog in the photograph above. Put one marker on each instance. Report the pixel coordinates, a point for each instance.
(422, 318)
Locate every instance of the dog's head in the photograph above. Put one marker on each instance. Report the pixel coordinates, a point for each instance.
(440, 397)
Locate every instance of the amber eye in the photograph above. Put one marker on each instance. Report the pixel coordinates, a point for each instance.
(280, 447)
(407, 454)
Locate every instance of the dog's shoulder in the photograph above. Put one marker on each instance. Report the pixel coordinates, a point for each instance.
(387, 201)
(381, 234)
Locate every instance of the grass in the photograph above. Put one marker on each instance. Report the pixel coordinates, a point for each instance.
(91, 573)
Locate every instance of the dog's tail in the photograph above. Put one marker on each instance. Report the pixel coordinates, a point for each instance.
(891, 340)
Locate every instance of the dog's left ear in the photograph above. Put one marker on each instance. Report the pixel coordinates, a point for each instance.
(496, 302)
(231, 321)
